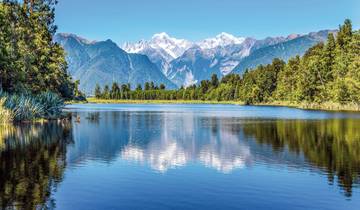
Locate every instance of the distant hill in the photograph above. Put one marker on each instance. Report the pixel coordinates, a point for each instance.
(176, 62)
(221, 55)
(104, 63)
(283, 50)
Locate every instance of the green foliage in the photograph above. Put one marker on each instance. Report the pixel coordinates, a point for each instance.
(25, 107)
(97, 91)
(29, 59)
(328, 73)
(52, 105)
(214, 80)
(6, 115)
(162, 87)
(138, 87)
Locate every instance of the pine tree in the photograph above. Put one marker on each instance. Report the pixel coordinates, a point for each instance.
(97, 91)
(162, 87)
(115, 91)
(352, 78)
(214, 80)
(287, 81)
(138, 87)
(30, 60)
(106, 93)
(147, 86)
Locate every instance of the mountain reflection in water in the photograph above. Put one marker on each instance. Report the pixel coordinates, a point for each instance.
(34, 157)
(171, 140)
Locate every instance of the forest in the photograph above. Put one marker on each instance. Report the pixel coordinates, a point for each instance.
(328, 73)
(33, 71)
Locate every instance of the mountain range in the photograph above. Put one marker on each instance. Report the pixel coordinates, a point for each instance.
(104, 63)
(175, 62)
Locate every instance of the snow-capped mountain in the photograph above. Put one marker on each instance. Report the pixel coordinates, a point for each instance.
(192, 67)
(221, 40)
(172, 61)
(104, 62)
(161, 41)
(161, 49)
(226, 54)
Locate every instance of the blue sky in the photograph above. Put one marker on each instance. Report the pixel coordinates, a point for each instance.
(131, 20)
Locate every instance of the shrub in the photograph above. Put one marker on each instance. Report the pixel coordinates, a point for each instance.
(52, 105)
(26, 107)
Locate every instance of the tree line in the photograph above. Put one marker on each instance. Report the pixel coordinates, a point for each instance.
(29, 59)
(327, 72)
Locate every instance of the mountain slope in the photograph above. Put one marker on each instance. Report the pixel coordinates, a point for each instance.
(104, 62)
(176, 62)
(214, 57)
(282, 50)
(182, 69)
(78, 55)
(237, 54)
(161, 49)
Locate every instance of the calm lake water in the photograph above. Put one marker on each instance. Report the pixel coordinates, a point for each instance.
(183, 157)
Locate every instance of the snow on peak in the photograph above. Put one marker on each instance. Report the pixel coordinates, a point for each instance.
(160, 41)
(135, 47)
(174, 47)
(221, 40)
(162, 35)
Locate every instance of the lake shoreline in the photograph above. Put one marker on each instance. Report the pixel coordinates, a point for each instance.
(123, 101)
(304, 106)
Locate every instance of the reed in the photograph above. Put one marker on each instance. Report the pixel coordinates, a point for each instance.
(6, 115)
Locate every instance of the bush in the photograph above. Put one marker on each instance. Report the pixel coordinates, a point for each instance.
(26, 107)
(52, 105)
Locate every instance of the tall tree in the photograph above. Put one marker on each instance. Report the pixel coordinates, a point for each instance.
(31, 61)
(97, 91)
(214, 80)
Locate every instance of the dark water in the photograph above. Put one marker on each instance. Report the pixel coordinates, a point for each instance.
(183, 157)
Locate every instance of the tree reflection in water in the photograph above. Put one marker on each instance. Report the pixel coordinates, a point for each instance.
(172, 140)
(33, 157)
(329, 145)
(32, 161)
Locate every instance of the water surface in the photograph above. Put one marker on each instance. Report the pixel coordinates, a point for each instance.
(183, 157)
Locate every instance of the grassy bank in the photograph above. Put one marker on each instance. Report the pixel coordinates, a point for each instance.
(327, 106)
(312, 106)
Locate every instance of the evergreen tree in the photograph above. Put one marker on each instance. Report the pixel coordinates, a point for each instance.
(214, 80)
(138, 87)
(288, 81)
(97, 91)
(106, 93)
(30, 61)
(115, 91)
(152, 86)
(147, 86)
(327, 72)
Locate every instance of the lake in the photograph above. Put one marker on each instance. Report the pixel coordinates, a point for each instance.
(183, 157)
